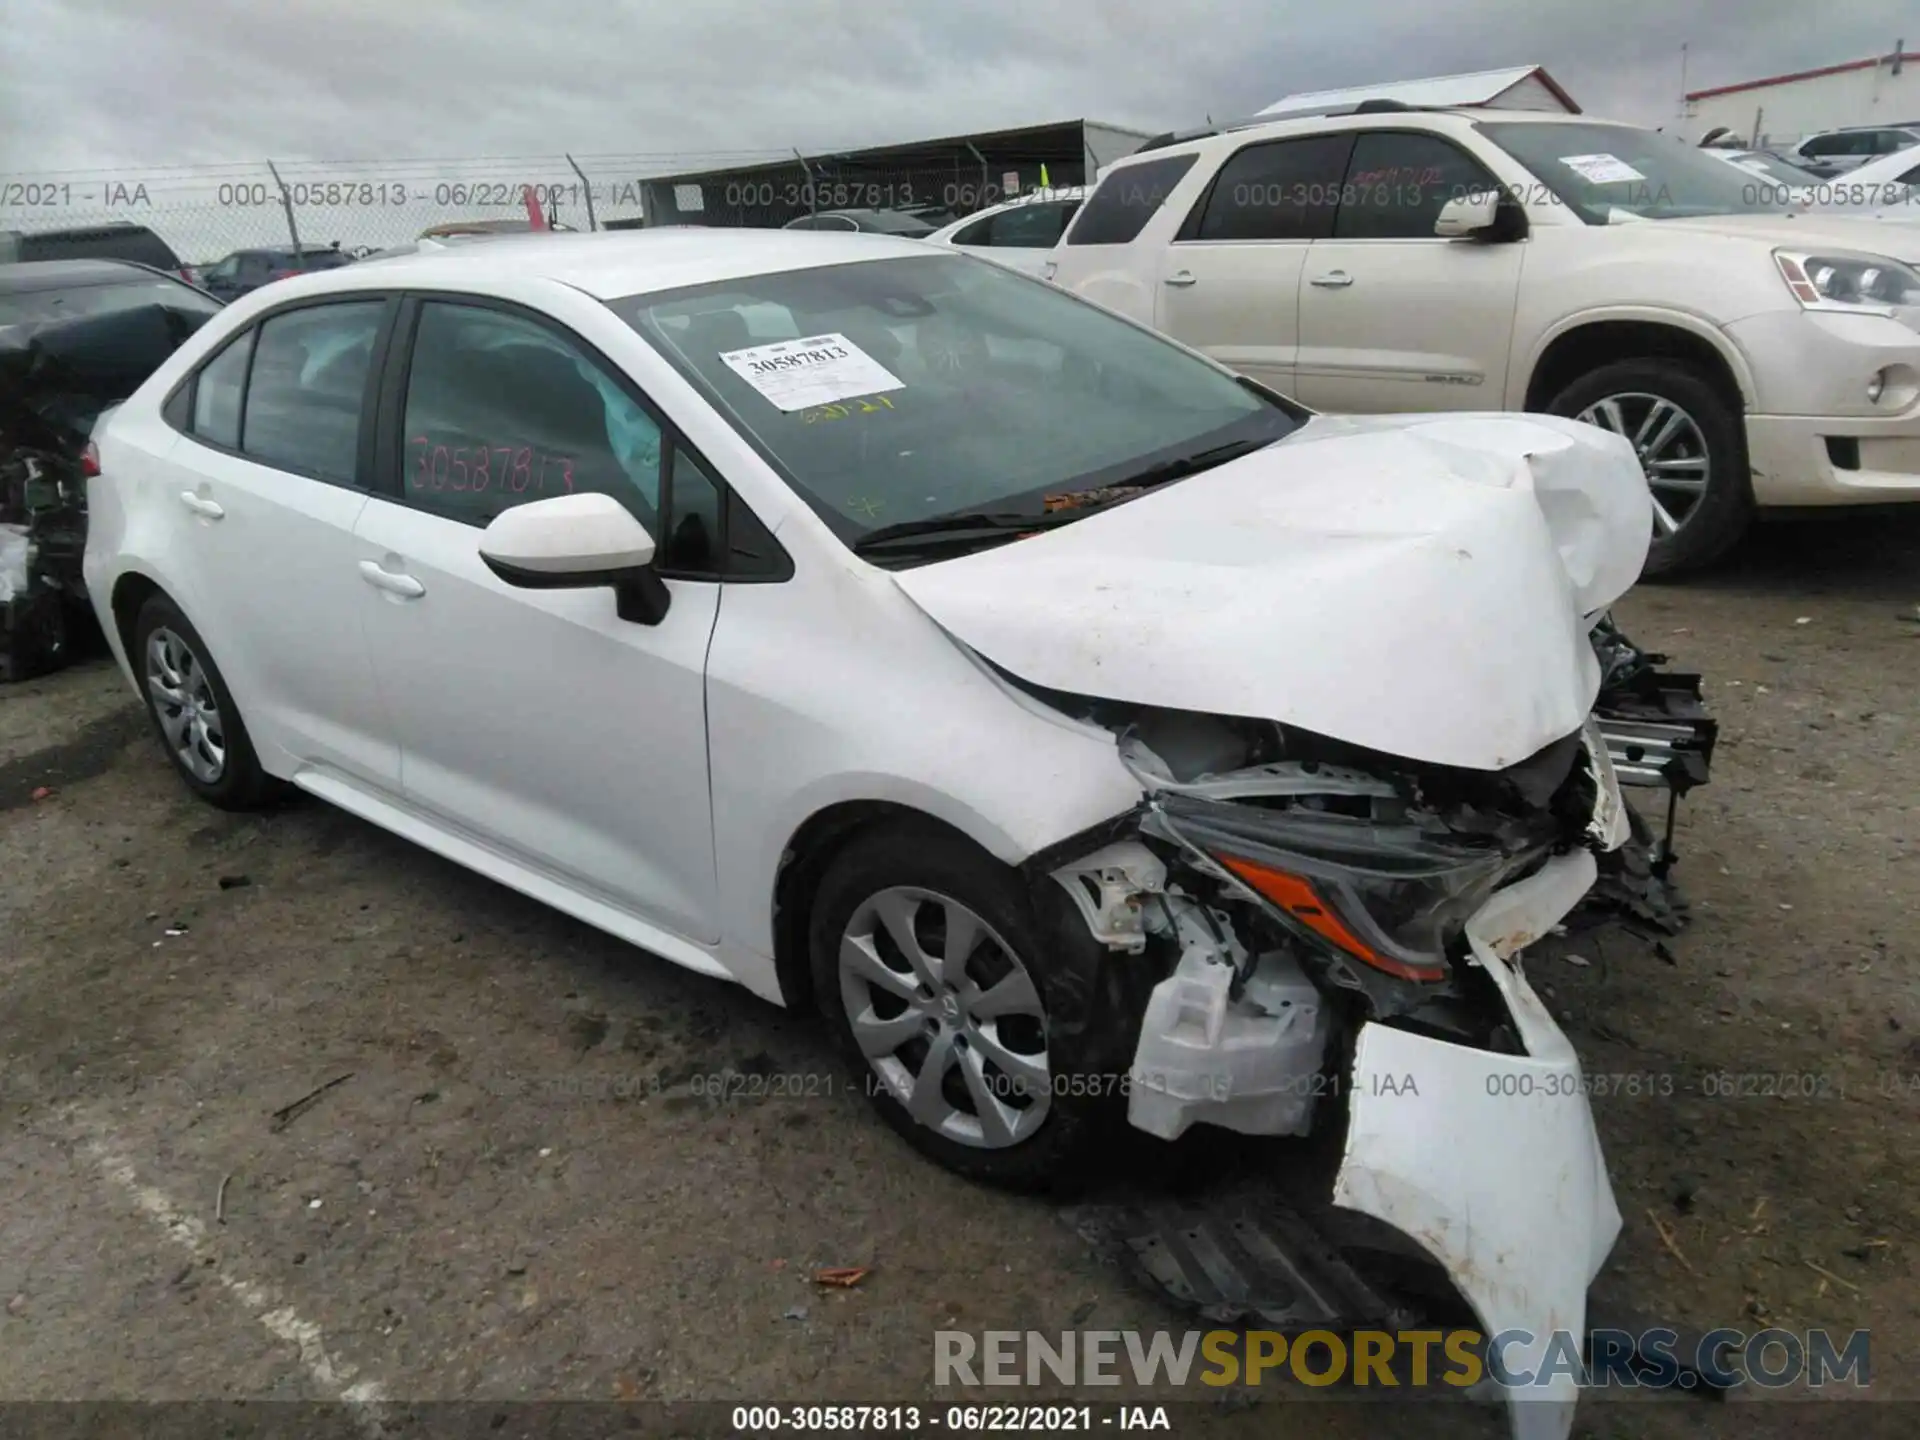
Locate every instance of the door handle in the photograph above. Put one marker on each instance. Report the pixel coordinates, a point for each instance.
(200, 505)
(1180, 277)
(1332, 280)
(403, 585)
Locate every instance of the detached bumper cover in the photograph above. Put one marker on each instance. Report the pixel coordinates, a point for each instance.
(1489, 1162)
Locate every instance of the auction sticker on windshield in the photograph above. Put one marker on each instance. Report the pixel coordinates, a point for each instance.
(1601, 169)
(818, 370)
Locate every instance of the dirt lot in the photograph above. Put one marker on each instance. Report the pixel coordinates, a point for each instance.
(516, 1195)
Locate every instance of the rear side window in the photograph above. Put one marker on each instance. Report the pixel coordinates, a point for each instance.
(308, 382)
(501, 411)
(216, 394)
(1280, 190)
(1398, 181)
(1032, 227)
(1119, 210)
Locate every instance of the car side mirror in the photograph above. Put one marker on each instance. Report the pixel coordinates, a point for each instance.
(573, 542)
(1487, 215)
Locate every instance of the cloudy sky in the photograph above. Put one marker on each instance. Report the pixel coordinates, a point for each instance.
(129, 83)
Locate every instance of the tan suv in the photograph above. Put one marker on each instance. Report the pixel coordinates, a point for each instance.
(1393, 259)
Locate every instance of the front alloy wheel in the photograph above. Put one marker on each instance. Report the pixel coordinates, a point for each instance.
(1686, 429)
(947, 1016)
(186, 707)
(1672, 451)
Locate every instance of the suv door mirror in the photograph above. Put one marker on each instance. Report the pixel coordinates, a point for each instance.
(1466, 215)
(573, 542)
(1482, 215)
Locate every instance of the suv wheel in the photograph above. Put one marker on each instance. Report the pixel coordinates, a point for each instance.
(193, 711)
(994, 1042)
(1691, 450)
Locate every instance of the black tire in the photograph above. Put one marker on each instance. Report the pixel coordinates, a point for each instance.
(242, 784)
(1723, 513)
(1093, 1000)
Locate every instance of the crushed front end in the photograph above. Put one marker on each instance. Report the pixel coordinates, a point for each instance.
(1340, 933)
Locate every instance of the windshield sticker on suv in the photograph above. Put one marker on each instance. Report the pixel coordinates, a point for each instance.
(817, 370)
(1601, 169)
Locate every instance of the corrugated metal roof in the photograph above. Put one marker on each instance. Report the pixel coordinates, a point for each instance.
(1477, 88)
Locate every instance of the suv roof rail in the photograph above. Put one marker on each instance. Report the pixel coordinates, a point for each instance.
(1362, 107)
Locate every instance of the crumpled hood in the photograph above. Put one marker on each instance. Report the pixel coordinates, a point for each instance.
(1419, 585)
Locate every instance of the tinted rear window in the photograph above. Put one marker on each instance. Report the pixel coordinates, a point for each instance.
(141, 246)
(89, 300)
(1126, 200)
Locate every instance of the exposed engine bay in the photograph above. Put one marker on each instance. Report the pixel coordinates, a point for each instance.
(1341, 935)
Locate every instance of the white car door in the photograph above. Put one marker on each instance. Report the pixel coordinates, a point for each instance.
(261, 496)
(539, 721)
(1230, 281)
(1392, 317)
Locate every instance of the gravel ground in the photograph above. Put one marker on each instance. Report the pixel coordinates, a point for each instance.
(514, 1193)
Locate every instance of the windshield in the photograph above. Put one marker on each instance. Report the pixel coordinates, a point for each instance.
(40, 306)
(893, 392)
(1603, 172)
(1770, 167)
(896, 222)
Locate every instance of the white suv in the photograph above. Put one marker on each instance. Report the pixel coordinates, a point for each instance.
(1404, 260)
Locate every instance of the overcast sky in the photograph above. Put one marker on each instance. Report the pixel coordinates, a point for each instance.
(98, 83)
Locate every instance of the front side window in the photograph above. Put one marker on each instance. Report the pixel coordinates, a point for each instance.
(1118, 210)
(1398, 181)
(501, 411)
(307, 387)
(1608, 173)
(923, 387)
(1279, 190)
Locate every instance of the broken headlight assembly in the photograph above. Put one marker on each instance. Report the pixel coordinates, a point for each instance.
(1391, 896)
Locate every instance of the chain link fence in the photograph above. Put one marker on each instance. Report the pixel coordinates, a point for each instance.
(206, 212)
(768, 196)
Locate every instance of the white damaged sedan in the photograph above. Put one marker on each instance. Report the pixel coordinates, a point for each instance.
(1090, 735)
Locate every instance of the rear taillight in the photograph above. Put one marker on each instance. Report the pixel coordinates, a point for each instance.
(283, 274)
(90, 460)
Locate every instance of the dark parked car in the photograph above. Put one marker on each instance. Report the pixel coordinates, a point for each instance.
(76, 338)
(246, 270)
(880, 222)
(94, 242)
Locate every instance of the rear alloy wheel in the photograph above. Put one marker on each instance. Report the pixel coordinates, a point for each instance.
(193, 711)
(1689, 444)
(185, 707)
(976, 1013)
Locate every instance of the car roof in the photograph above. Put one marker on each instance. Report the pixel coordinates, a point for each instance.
(613, 264)
(25, 276)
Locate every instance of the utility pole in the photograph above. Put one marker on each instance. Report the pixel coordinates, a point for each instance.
(1683, 79)
(586, 188)
(286, 204)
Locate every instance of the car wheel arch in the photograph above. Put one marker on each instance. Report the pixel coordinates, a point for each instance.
(130, 593)
(1586, 343)
(809, 851)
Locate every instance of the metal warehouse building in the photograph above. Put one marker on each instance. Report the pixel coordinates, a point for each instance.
(961, 174)
(1781, 109)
